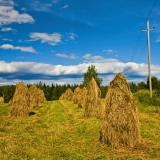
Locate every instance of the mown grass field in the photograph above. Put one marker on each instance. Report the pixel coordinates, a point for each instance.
(59, 131)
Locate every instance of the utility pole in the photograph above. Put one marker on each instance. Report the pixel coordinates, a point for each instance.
(149, 68)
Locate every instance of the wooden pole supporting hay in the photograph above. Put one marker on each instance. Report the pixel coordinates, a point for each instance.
(1, 100)
(76, 95)
(120, 127)
(92, 106)
(20, 103)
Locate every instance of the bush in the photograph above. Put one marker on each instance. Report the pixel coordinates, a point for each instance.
(143, 97)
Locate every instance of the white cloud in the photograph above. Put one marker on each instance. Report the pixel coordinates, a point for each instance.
(63, 55)
(7, 29)
(107, 70)
(6, 3)
(66, 6)
(9, 15)
(23, 49)
(52, 39)
(89, 58)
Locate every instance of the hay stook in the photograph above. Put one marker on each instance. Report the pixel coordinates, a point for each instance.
(21, 102)
(1, 100)
(120, 127)
(76, 95)
(92, 105)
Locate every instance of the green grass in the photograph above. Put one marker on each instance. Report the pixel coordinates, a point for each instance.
(59, 131)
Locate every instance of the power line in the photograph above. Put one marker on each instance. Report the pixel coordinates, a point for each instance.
(151, 9)
(142, 52)
(154, 26)
(140, 33)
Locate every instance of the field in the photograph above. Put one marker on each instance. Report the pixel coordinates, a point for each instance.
(59, 131)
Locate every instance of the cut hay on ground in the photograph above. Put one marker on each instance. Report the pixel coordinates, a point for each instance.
(82, 97)
(20, 103)
(76, 95)
(120, 127)
(1, 100)
(92, 106)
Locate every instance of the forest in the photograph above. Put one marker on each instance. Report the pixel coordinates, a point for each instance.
(54, 91)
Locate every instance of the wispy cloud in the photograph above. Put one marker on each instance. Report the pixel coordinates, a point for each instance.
(52, 39)
(40, 6)
(6, 39)
(72, 36)
(109, 51)
(7, 29)
(63, 55)
(66, 6)
(9, 15)
(23, 49)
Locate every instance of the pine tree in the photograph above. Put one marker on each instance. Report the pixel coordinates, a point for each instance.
(91, 72)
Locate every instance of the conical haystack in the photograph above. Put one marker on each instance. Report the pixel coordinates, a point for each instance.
(92, 106)
(82, 97)
(76, 95)
(20, 103)
(63, 96)
(33, 92)
(1, 100)
(41, 96)
(120, 127)
(68, 95)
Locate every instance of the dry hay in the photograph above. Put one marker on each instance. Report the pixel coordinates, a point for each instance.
(20, 102)
(81, 98)
(1, 100)
(92, 106)
(68, 95)
(33, 97)
(120, 127)
(36, 97)
(41, 96)
(62, 96)
(76, 95)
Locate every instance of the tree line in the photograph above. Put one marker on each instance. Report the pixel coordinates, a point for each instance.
(54, 91)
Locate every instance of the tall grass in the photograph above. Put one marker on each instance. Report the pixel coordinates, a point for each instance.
(59, 131)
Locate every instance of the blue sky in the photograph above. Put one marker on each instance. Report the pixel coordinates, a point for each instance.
(54, 41)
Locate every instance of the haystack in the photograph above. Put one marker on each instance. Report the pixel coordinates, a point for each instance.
(120, 127)
(68, 95)
(1, 100)
(62, 96)
(92, 106)
(82, 97)
(20, 102)
(33, 92)
(41, 96)
(76, 95)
